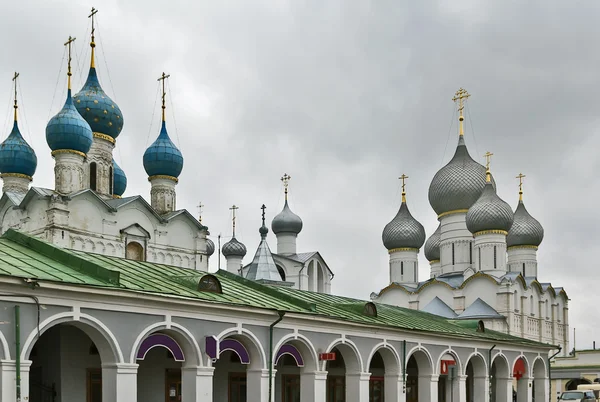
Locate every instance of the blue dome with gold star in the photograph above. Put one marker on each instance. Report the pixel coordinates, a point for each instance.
(162, 158)
(102, 114)
(120, 180)
(16, 156)
(68, 130)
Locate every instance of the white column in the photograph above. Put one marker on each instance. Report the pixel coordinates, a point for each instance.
(392, 384)
(462, 388)
(502, 390)
(481, 388)
(357, 387)
(162, 193)
(258, 385)
(313, 386)
(119, 382)
(8, 380)
(68, 171)
(197, 384)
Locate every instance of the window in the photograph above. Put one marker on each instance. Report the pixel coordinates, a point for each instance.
(94, 385)
(479, 259)
(470, 253)
(110, 180)
(547, 309)
(134, 251)
(495, 258)
(209, 283)
(290, 391)
(336, 388)
(452, 253)
(376, 389)
(531, 309)
(237, 387)
(516, 301)
(415, 269)
(93, 172)
(523, 269)
(401, 267)
(370, 309)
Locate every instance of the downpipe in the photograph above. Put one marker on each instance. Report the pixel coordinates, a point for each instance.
(281, 314)
(550, 373)
(490, 371)
(18, 349)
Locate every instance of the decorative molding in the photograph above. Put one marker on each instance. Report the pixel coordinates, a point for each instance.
(163, 176)
(16, 175)
(455, 211)
(105, 137)
(403, 249)
(491, 231)
(524, 246)
(68, 151)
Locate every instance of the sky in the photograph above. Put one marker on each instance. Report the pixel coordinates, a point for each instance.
(344, 96)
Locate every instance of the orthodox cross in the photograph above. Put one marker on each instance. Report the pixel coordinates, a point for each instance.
(92, 43)
(263, 213)
(286, 180)
(233, 209)
(403, 178)
(520, 177)
(200, 206)
(461, 95)
(488, 158)
(15, 80)
(68, 44)
(162, 78)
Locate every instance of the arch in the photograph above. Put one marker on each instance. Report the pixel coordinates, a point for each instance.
(481, 362)
(236, 347)
(305, 346)
(242, 334)
(533, 366)
(5, 348)
(501, 357)
(179, 333)
(539, 374)
(456, 359)
(391, 358)
(281, 271)
(354, 362)
(103, 338)
(419, 359)
(291, 350)
(160, 340)
(572, 384)
(93, 175)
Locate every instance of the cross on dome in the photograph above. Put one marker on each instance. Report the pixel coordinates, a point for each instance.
(233, 208)
(520, 176)
(403, 178)
(286, 180)
(460, 96)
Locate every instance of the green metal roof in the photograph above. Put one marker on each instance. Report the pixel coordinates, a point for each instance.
(24, 256)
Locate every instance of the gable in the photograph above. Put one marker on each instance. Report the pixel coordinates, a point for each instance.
(136, 230)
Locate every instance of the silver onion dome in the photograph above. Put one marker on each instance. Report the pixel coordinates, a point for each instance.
(459, 184)
(210, 247)
(286, 221)
(403, 231)
(432, 245)
(234, 248)
(526, 230)
(489, 212)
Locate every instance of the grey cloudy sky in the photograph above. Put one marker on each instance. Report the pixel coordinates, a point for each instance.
(344, 96)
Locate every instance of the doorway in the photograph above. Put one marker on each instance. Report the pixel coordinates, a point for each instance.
(173, 385)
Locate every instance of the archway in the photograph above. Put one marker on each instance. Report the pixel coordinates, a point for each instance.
(571, 385)
(501, 380)
(448, 382)
(521, 376)
(540, 381)
(240, 371)
(476, 378)
(418, 377)
(343, 375)
(295, 364)
(384, 366)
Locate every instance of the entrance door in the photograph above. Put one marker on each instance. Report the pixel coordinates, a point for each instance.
(290, 391)
(376, 393)
(336, 388)
(94, 385)
(173, 385)
(237, 387)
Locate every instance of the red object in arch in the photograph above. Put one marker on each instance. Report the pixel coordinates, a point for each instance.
(519, 369)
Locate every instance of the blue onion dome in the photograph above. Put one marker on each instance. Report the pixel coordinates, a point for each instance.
(403, 231)
(286, 221)
(102, 114)
(162, 158)
(210, 247)
(234, 248)
(16, 156)
(432, 245)
(68, 130)
(526, 230)
(457, 186)
(489, 212)
(120, 180)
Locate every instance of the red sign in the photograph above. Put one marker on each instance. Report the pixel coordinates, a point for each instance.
(444, 364)
(519, 369)
(326, 356)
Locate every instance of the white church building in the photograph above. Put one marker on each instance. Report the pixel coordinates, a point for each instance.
(483, 256)
(106, 297)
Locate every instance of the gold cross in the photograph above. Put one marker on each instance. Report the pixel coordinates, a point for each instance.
(488, 157)
(286, 180)
(93, 13)
(15, 80)
(460, 96)
(162, 78)
(403, 178)
(520, 177)
(200, 206)
(68, 44)
(92, 43)
(233, 209)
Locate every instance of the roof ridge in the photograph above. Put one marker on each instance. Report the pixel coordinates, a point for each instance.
(63, 256)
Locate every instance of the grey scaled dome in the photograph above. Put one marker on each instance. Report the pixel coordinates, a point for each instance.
(457, 185)
(286, 221)
(234, 248)
(526, 230)
(210, 247)
(403, 231)
(432, 245)
(490, 212)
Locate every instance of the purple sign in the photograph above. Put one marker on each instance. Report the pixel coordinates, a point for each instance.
(160, 340)
(291, 350)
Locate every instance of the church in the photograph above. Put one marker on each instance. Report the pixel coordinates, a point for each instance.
(107, 297)
(483, 256)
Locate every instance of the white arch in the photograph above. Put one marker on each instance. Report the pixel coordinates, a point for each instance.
(248, 334)
(533, 365)
(352, 345)
(293, 337)
(485, 366)
(425, 351)
(168, 326)
(521, 356)
(5, 348)
(436, 369)
(70, 316)
(385, 345)
(502, 356)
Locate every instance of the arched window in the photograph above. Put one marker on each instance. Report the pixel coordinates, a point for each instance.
(452, 253)
(516, 301)
(531, 309)
(547, 309)
(479, 259)
(281, 272)
(134, 251)
(495, 265)
(110, 180)
(470, 253)
(93, 173)
(401, 267)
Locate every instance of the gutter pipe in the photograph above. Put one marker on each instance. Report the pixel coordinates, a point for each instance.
(281, 314)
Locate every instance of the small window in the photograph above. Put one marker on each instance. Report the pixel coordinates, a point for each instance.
(209, 283)
(471, 253)
(452, 253)
(134, 251)
(110, 180)
(401, 267)
(480, 326)
(370, 309)
(93, 172)
(495, 258)
(523, 269)
(479, 259)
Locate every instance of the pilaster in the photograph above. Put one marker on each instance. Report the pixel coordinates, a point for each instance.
(258, 385)
(197, 384)
(357, 387)
(119, 382)
(313, 386)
